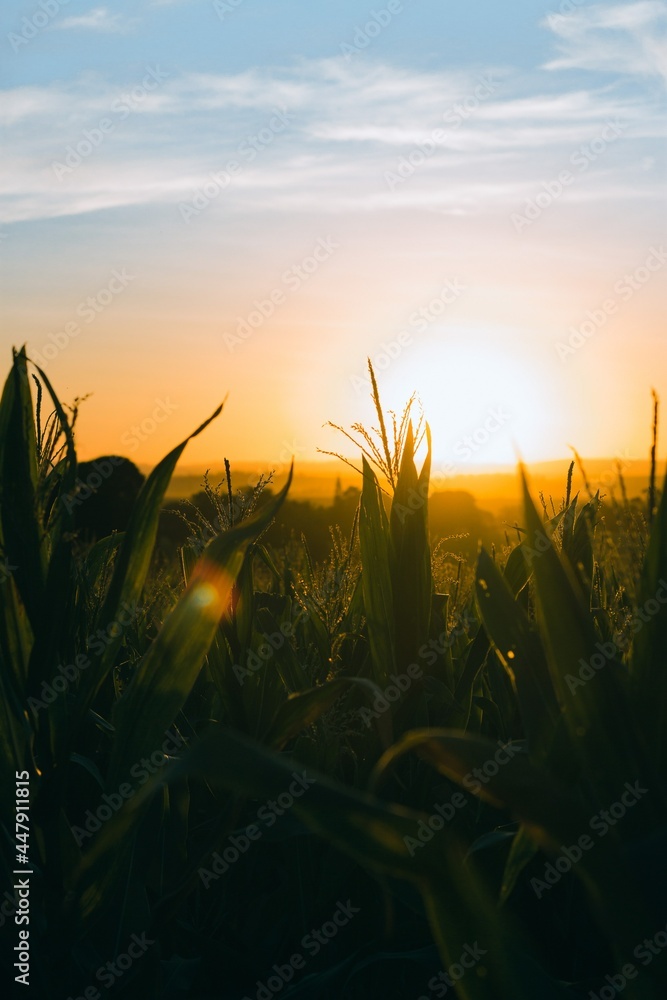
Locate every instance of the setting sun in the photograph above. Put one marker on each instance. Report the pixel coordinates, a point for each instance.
(506, 409)
(296, 703)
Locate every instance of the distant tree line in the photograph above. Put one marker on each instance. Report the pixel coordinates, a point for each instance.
(103, 504)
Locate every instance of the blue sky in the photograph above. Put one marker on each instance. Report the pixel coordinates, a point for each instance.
(424, 35)
(413, 135)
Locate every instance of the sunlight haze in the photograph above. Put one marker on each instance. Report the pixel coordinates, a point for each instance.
(297, 188)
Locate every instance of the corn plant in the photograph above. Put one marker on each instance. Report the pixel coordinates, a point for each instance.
(67, 719)
(529, 708)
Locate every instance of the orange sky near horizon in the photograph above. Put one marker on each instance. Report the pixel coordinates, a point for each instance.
(477, 349)
(475, 200)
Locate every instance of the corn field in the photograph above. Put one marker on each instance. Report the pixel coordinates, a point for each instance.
(250, 774)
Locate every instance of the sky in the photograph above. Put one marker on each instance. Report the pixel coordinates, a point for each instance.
(247, 199)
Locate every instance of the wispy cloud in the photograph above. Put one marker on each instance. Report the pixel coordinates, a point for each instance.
(349, 124)
(97, 19)
(620, 39)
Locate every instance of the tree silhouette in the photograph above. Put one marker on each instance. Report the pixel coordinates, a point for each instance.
(107, 490)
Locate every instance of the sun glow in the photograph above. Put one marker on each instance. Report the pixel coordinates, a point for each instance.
(485, 405)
